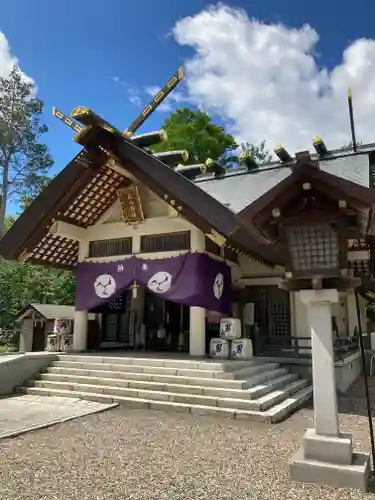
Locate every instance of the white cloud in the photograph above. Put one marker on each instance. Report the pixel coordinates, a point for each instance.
(134, 96)
(8, 60)
(132, 93)
(265, 79)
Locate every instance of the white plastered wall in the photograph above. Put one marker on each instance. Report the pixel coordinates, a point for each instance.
(253, 270)
(344, 311)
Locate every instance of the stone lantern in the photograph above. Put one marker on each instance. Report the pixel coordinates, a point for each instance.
(315, 235)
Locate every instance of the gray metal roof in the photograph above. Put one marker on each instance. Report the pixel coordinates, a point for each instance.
(49, 311)
(238, 189)
(354, 168)
(53, 311)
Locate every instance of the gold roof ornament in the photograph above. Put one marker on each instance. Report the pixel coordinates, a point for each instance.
(88, 117)
(214, 166)
(282, 153)
(216, 237)
(320, 146)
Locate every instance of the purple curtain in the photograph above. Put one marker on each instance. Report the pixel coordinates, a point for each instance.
(192, 279)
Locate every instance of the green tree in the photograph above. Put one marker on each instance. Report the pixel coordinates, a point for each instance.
(25, 283)
(31, 191)
(259, 153)
(9, 221)
(195, 132)
(252, 156)
(24, 160)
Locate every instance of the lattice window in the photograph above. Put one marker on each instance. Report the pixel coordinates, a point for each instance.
(165, 242)
(279, 311)
(314, 247)
(107, 248)
(360, 267)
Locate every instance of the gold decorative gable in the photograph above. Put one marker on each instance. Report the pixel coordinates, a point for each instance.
(131, 206)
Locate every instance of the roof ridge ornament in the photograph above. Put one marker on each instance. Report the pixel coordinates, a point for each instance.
(215, 166)
(320, 146)
(283, 155)
(159, 97)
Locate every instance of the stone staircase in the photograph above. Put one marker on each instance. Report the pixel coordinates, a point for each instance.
(256, 390)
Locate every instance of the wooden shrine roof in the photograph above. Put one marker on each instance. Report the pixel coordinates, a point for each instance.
(80, 194)
(86, 188)
(308, 170)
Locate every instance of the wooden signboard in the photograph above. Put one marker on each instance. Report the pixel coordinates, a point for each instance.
(131, 205)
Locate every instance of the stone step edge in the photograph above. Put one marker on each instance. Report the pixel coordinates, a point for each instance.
(264, 388)
(253, 380)
(138, 393)
(269, 416)
(260, 378)
(159, 370)
(275, 397)
(248, 393)
(254, 370)
(207, 365)
(292, 402)
(136, 374)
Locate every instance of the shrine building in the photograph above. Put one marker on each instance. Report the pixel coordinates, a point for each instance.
(161, 253)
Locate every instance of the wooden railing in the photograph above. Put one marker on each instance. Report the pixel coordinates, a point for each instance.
(300, 347)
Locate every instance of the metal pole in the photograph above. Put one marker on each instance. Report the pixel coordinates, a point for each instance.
(351, 118)
(365, 380)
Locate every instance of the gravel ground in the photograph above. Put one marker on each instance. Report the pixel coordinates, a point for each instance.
(134, 454)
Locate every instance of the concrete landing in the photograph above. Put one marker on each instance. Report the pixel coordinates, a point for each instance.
(20, 414)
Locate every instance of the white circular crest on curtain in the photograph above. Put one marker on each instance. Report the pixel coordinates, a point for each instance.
(105, 286)
(218, 287)
(160, 282)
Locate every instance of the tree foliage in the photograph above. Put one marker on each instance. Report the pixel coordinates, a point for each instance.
(195, 132)
(24, 160)
(25, 283)
(9, 221)
(259, 153)
(29, 194)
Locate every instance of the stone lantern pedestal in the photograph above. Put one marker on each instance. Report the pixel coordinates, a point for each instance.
(326, 456)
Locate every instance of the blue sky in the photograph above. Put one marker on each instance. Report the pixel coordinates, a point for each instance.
(74, 49)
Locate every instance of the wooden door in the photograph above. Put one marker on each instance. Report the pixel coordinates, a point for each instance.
(39, 337)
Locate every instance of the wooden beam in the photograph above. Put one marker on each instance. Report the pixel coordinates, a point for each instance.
(67, 230)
